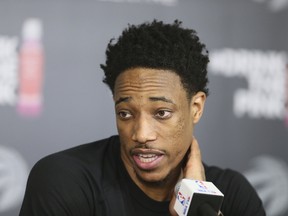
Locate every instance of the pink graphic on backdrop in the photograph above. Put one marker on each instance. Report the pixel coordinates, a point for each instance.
(31, 70)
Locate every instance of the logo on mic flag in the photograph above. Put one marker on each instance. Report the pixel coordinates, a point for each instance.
(181, 198)
(198, 193)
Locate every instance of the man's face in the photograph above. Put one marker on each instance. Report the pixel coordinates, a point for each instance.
(155, 122)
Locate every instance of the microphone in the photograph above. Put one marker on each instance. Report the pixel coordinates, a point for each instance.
(197, 198)
(205, 210)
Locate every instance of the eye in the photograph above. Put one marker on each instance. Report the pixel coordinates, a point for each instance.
(163, 114)
(124, 115)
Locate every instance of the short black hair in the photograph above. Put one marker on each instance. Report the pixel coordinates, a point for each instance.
(157, 45)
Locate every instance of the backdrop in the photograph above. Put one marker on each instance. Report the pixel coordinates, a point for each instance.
(52, 96)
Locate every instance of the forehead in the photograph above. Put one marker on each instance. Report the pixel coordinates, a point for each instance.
(151, 81)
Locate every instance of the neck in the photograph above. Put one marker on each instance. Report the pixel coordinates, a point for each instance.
(159, 191)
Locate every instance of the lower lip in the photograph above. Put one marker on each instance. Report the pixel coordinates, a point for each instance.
(148, 165)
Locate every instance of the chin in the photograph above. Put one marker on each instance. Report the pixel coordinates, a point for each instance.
(153, 179)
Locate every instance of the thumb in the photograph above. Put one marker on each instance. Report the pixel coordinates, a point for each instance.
(171, 207)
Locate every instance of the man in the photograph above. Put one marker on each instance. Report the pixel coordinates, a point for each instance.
(158, 75)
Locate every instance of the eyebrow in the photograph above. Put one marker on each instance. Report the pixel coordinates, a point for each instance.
(123, 99)
(127, 99)
(164, 99)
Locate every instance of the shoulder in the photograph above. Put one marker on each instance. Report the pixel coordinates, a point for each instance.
(227, 179)
(70, 180)
(75, 161)
(240, 198)
(223, 177)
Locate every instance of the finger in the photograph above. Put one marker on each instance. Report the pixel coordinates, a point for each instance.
(194, 168)
(171, 207)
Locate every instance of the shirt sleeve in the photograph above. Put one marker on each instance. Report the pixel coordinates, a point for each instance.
(58, 186)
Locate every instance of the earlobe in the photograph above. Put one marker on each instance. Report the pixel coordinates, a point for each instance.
(198, 102)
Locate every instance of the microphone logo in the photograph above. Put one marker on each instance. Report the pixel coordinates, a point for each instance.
(181, 198)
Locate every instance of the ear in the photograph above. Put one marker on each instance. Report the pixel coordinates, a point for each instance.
(197, 105)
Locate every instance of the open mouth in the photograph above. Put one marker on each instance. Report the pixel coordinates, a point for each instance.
(147, 159)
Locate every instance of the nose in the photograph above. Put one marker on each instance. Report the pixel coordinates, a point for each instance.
(143, 131)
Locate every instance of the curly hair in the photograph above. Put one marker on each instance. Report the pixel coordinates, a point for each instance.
(157, 45)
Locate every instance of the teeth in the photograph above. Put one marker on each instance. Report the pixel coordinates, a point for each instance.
(147, 158)
(147, 155)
